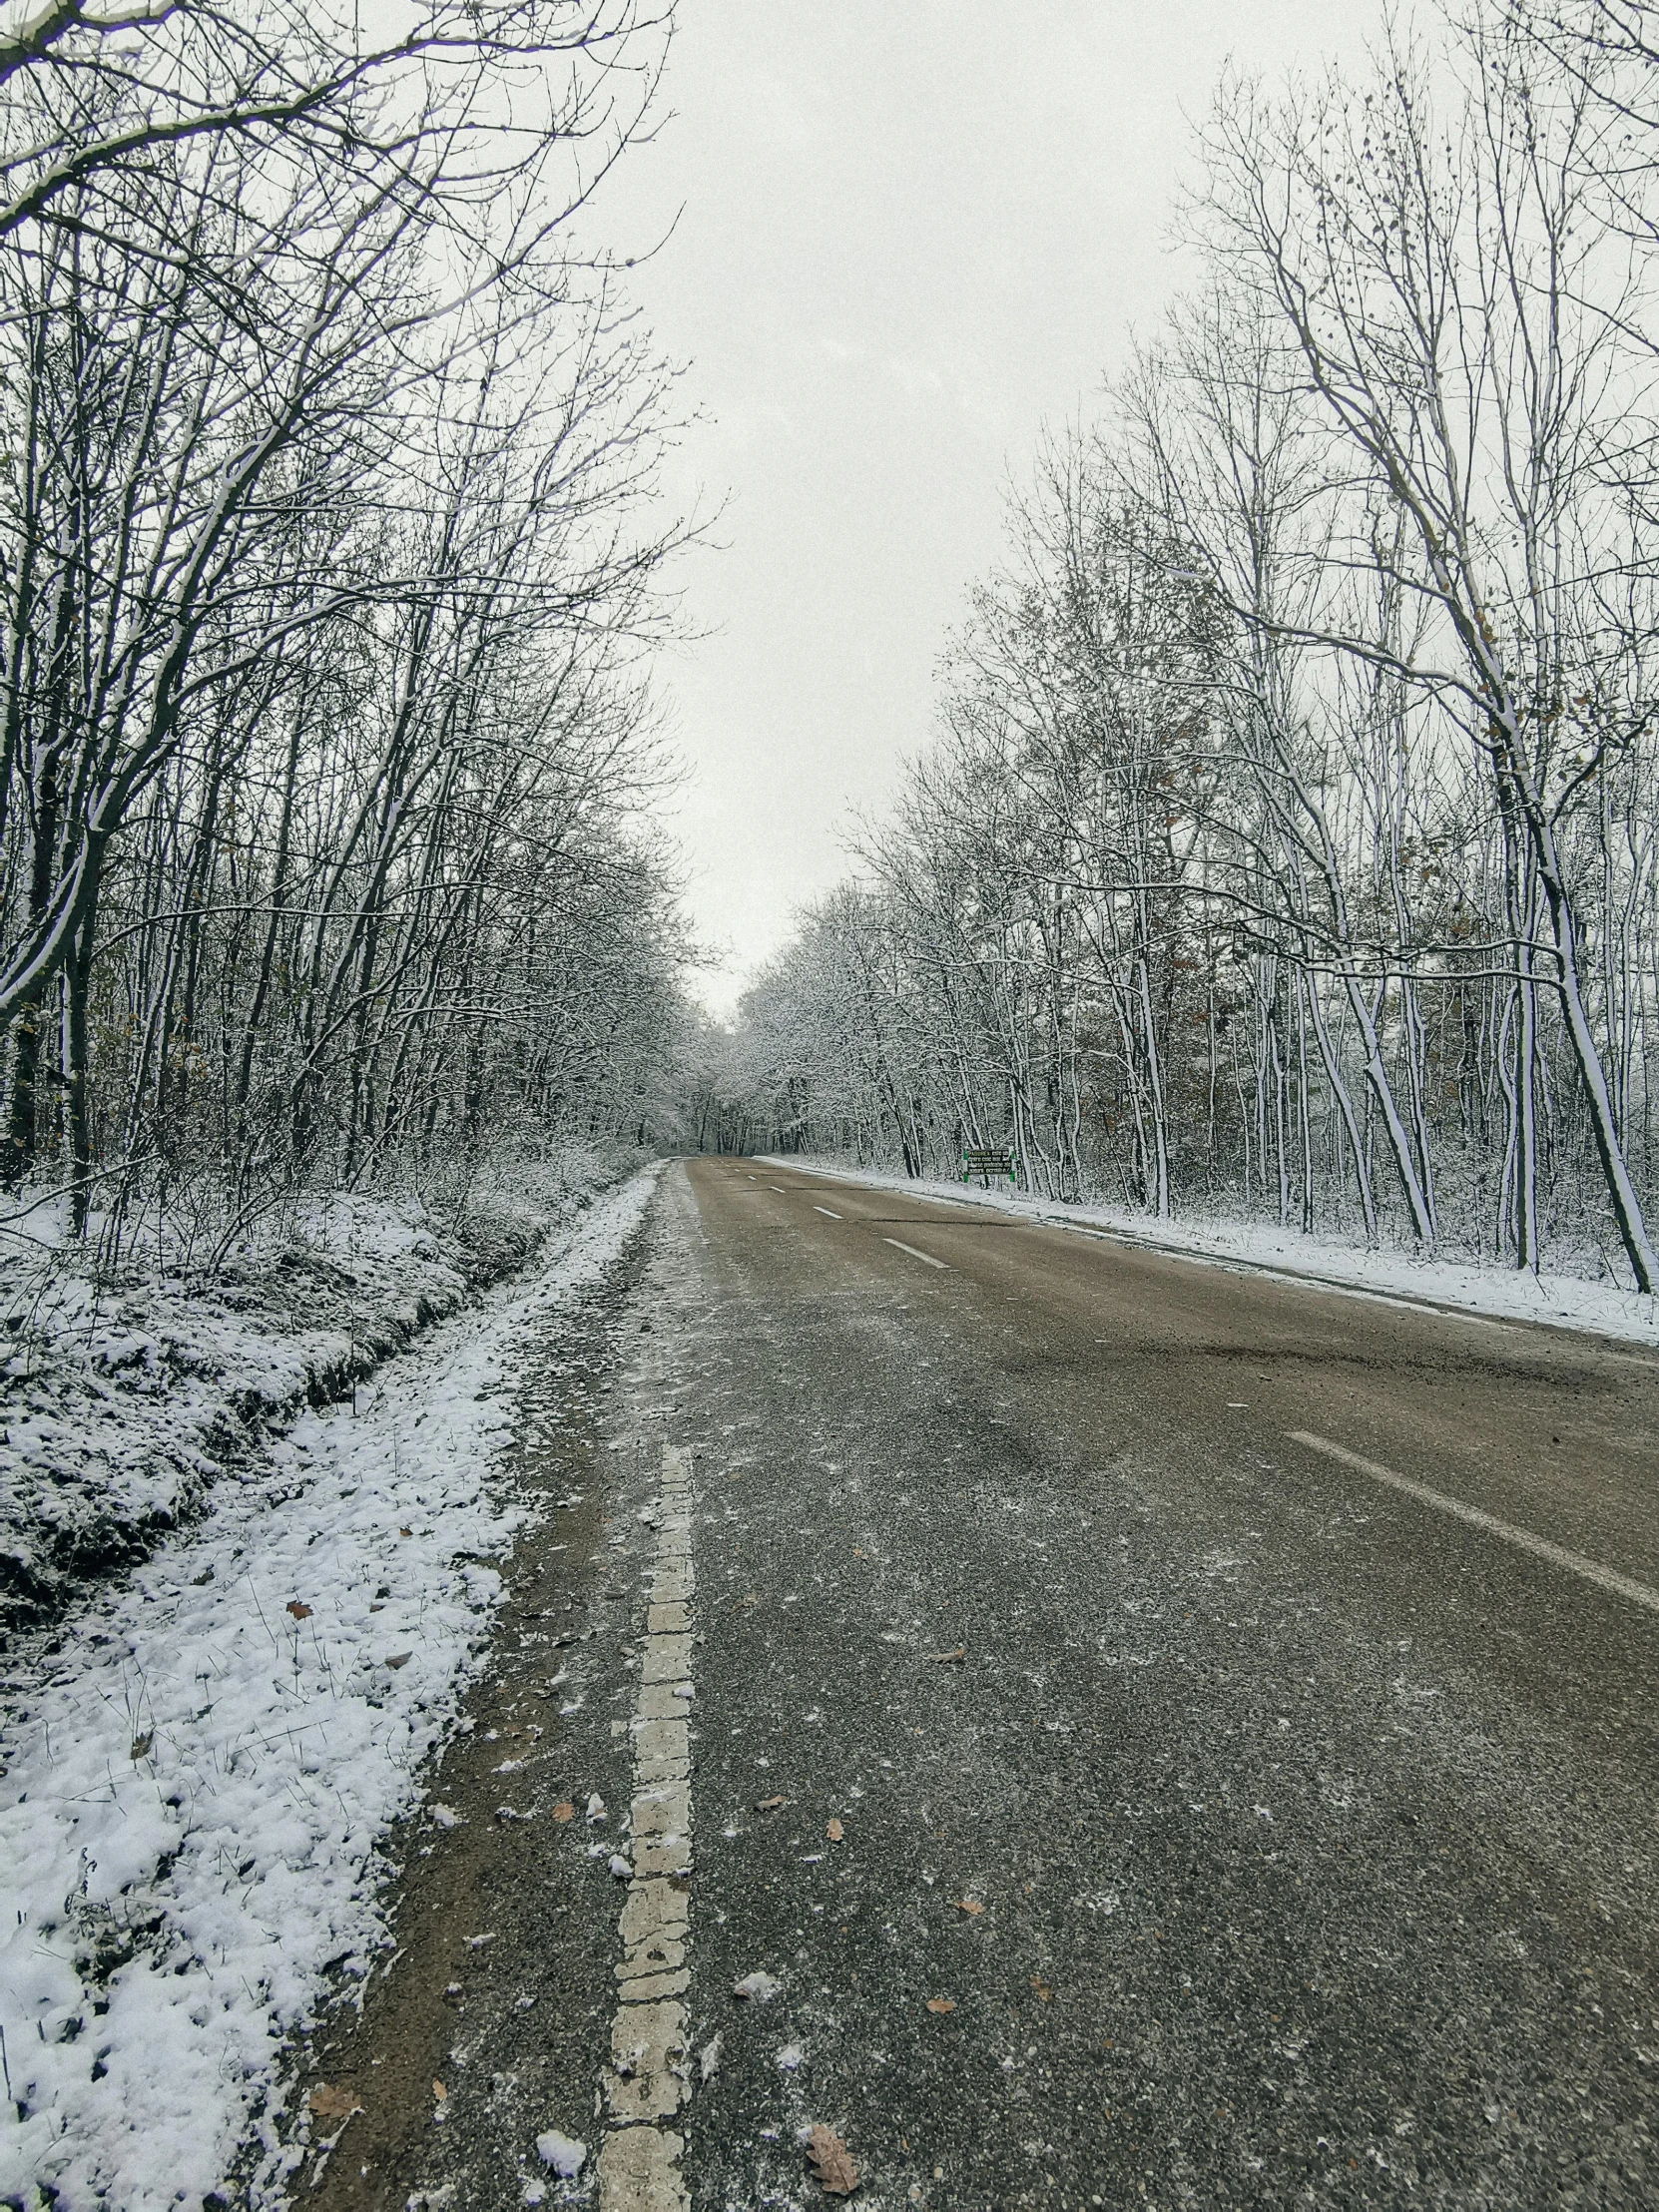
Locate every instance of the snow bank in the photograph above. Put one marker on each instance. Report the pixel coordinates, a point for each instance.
(191, 1806)
(122, 1406)
(1564, 1301)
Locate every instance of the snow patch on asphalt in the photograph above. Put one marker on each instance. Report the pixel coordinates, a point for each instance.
(193, 1801)
(1563, 1301)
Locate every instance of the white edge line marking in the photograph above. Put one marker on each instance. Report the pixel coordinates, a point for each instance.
(1236, 1264)
(1605, 1578)
(638, 2167)
(914, 1253)
(828, 1211)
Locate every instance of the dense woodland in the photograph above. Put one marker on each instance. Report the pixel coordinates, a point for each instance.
(1290, 839)
(328, 560)
(1287, 839)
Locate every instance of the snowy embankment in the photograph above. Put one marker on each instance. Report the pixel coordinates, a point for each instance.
(191, 1803)
(1564, 1301)
(124, 1404)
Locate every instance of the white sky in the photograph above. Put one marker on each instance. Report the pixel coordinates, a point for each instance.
(912, 231)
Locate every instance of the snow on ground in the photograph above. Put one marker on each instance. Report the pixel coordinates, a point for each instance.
(125, 1401)
(192, 1801)
(1565, 1301)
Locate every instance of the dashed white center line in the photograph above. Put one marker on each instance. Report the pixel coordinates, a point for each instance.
(914, 1253)
(1605, 1578)
(778, 1188)
(639, 2161)
(828, 1211)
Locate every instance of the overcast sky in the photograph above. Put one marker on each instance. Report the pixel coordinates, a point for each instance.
(911, 232)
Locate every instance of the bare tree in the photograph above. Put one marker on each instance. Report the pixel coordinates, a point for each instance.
(1440, 274)
(327, 555)
(104, 89)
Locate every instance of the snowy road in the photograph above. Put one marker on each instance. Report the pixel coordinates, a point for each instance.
(1130, 1743)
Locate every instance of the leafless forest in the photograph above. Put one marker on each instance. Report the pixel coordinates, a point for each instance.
(330, 561)
(1289, 837)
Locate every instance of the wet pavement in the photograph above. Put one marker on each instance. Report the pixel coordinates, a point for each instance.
(1109, 1797)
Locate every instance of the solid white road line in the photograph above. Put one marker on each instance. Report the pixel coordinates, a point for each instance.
(1605, 1578)
(829, 1211)
(1230, 1263)
(914, 1253)
(639, 2160)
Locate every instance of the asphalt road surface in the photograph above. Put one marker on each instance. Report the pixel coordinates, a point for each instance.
(1159, 1734)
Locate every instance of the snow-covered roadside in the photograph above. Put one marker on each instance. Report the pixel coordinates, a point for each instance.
(190, 1807)
(1565, 1301)
(125, 1404)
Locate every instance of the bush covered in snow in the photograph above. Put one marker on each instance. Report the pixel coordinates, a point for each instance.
(123, 1395)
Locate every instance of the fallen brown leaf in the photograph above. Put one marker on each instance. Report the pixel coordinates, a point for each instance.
(140, 1745)
(439, 2091)
(399, 1659)
(832, 2164)
(950, 1658)
(941, 2005)
(1044, 1993)
(332, 2104)
(835, 1831)
(406, 1531)
(969, 1905)
(768, 1803)
(563, 1813)
(300, 1612)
